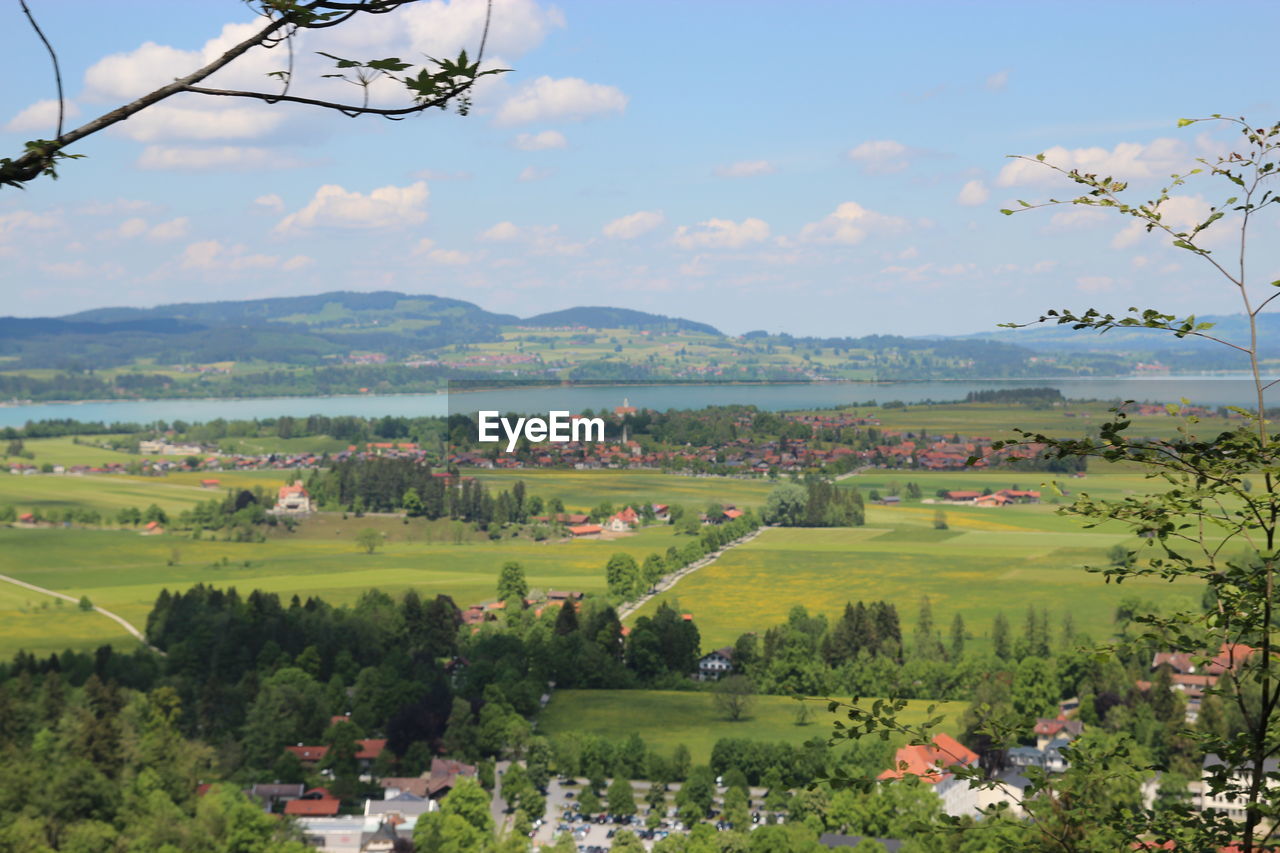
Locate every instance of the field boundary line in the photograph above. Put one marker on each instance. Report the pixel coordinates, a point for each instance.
(134, 632)
(669, 581)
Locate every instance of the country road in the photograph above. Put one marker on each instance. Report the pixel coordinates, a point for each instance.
(107, 613)
(672, 579)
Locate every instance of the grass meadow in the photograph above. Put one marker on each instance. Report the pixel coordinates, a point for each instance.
(668, 718)
(986, 561)
(124, 572)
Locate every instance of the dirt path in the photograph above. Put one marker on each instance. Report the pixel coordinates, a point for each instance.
(107, 613)
(672, 579)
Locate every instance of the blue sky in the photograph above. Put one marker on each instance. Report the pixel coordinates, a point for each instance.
(823, 168)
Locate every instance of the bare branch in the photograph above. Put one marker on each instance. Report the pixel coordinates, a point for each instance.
(350, 110)
(57, 72)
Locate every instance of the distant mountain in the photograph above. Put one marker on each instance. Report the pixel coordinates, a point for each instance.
(1191, 353)
(291, 329)
(325, 310)
(30, 327)
(618, 318)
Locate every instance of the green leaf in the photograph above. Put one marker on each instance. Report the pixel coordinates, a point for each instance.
(1183, 122)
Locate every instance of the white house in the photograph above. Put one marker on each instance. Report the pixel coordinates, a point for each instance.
(293, 500)
(1231, 801)
(932, 764)
(716, 664)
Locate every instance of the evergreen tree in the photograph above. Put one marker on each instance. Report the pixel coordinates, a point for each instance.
(1000, 637)
(927, 644)
(957, 637)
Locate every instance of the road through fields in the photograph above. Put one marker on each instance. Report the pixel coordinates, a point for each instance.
(107, 613)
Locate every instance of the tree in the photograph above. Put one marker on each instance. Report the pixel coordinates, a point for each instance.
(622, 575)
(786, 505)
(462, 824)
(1000, 637)
(620, 797)
(589, 800)
(940, 520)
(957, 637)
(436, 84)
(368, 540)
(511, 582)
(1202, 497)
(85, 604)
(734, 696)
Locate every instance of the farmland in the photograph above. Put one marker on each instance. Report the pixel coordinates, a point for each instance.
(986, 561)
(123, 572)
(668, 718)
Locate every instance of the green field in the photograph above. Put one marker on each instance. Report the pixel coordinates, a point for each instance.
(991, 420)
(43, 624)
(65, 451)
(124, 572)
(668, 718)
(110, 492)
(987, 561)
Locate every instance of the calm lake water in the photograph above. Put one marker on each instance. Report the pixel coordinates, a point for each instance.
(1208, 391)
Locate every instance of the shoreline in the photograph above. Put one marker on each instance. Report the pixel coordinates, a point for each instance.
(1220, 376)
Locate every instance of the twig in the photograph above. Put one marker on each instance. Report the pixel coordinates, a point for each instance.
(57, 72)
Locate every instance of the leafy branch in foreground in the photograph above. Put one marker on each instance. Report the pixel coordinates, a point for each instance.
(1204, 523)
(437, 83)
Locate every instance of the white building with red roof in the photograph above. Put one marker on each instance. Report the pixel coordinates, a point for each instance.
(932, 763)
(293, 500)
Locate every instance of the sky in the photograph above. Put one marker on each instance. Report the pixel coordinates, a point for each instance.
(809, 167)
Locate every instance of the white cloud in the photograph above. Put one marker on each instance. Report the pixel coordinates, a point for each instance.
(746, 169)
(541, 239)
(271, 202)
(543, 141)
(166, 121)
(26, 220)
(502, 232)
(448, 257)
(138, 227)
(214, 256)
(426, 248)
(335, 207)
(1095, 284)
(566, 98)
(41, 116)
(849, 224)
(973, 194)
(1076, 217)
(634, 224)
(170, 230)
(721, 234)
(881, 156)
(533, 173)
(1179, 212)
(442, 27)
(1128, 161)
(222, 158)
(998, 81)
(131, 228)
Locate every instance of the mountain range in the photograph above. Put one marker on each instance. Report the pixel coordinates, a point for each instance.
(309, 329)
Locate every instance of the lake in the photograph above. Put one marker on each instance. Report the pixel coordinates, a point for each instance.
(1204, 390)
